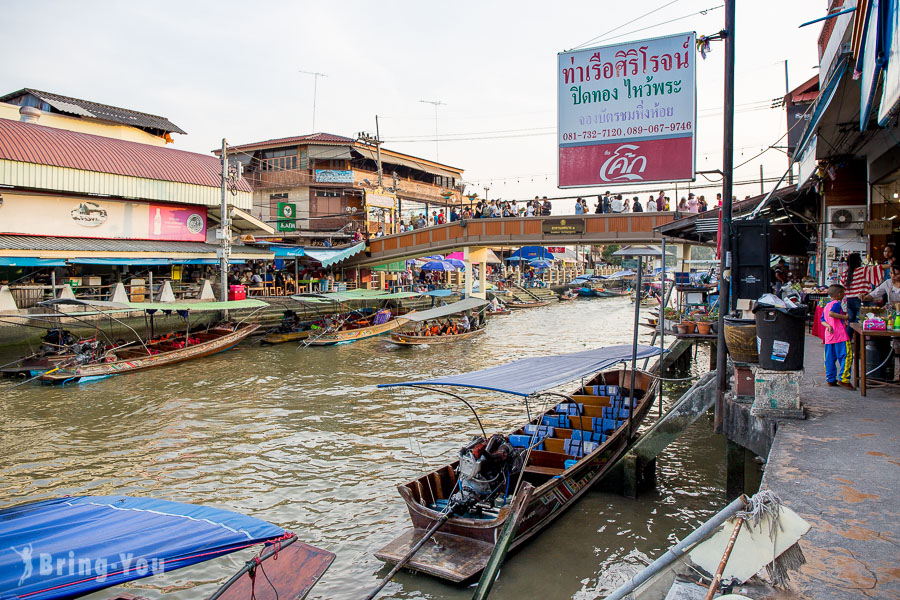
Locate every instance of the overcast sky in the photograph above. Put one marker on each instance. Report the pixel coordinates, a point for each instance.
(231, 69)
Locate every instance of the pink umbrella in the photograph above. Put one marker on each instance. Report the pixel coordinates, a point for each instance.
(456, 255)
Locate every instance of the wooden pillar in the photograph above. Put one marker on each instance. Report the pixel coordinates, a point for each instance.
(468, 273)
(735, 457)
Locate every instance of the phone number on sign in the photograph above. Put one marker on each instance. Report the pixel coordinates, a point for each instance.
(599, 134)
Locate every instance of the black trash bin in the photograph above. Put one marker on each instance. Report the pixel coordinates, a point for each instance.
(781, 336)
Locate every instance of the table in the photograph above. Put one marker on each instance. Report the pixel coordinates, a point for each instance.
(859, 356)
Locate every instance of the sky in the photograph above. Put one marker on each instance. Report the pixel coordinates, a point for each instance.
(232, 70)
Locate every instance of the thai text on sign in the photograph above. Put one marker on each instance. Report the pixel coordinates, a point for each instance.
(627, 112)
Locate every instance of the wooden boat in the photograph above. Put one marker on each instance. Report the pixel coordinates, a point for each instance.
(167, 351)
(497, 313)
(530, 304)
(592, 292)
(276, 337)
(567, 296)
(410, 339)
(353, 332)
(559, 470)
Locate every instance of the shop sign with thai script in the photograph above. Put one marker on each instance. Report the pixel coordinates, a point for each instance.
(567, 226)
(329, 176)
(627, 113)
(287, 216)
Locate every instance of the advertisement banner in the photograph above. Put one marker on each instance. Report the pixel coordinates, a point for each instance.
(381, 199)
(26, 214)
(329, 176)
(287, 216)
(627, 113)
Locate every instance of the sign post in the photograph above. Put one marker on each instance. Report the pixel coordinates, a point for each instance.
(628, 113)
(287, 216)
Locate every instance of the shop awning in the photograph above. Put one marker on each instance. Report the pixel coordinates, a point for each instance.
(119, 261)
(532, 375)
(330, 256)
(31, 262)
(287, 251)
(445, 310)
(822, 103)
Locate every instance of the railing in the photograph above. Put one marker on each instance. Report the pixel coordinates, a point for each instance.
(29, 295)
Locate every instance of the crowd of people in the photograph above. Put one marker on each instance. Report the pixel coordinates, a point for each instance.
(609, 203)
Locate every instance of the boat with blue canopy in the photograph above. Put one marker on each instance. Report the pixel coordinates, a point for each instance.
(76, 545)
(567, 443)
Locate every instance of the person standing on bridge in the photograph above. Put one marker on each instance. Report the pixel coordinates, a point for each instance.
(607, 207)
(651, 204)
(545, 209)
(529, 209)
(661, 202)
(636, 207)
(579, 209)
(617, 206)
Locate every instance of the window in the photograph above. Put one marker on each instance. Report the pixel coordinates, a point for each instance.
(328, 194)
(282, 196)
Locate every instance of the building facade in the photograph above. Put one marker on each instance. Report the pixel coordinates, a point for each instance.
(330, 186)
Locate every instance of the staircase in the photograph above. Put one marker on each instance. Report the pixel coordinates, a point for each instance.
(520, 294)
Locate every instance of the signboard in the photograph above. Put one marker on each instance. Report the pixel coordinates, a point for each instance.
(381, 199)
(627, 113)
(566, 226)
(890, 95)
(328, 176)
(556, 249)
(806, 162)
(89, 217)
(287, 216)
(798, 117)
(879, 227)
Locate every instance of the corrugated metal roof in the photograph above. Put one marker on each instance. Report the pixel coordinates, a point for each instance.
(41, 243)
(86, 108)
(36, 144)
(312, 138)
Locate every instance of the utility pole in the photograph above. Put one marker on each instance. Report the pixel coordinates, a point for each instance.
(787, 90)
(315, 90)
(225, 226)
(487, 188)
(376, 141)
(727, 193)
(436, 103)
(762, 190)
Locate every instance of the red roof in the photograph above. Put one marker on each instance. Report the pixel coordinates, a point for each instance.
(36, 144)
(805, 92)
(312, 138)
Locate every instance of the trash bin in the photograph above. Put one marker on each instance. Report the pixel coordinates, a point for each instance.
(781, 336)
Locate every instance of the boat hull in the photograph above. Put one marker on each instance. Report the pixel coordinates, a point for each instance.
(403, 339)
(521, 305)
(353, 335)
(281, 338)
(118, 367)
(469, 542)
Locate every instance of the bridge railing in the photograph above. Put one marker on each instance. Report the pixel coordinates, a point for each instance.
(597, 229)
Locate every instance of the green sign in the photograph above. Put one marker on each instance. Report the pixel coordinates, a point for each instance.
(393, 266)
(287, 216)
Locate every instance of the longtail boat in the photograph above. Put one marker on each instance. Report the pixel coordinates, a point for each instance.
(497, 313)
(166, 351)
(157, 351)
(355, 330)
(561, 451)
(406, 339)
(415, 338)
(117, 539)
(512, 305)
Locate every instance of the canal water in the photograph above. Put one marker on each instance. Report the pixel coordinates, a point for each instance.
(302, 437)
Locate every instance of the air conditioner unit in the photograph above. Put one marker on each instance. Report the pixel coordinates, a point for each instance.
(845, 222)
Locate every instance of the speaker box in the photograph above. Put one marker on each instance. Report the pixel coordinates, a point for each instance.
(750, 259)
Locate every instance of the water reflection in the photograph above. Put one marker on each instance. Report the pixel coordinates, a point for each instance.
(303, 438)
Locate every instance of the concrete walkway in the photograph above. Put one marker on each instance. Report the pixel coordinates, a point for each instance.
(840, 470)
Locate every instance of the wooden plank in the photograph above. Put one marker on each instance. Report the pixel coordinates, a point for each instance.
(451, 557)
(294, 573)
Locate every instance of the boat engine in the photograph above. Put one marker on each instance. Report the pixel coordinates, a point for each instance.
(486, 468)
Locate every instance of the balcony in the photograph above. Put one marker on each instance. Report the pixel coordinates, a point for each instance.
(409, 188)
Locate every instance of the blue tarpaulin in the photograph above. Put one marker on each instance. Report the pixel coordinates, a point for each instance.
(529, 252)
(531, 375)
(287, 251)
(102, 541)
(32, 262)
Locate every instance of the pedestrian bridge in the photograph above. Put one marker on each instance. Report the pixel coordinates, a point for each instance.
(630, 228)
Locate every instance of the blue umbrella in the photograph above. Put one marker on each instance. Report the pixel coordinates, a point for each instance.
(438, 265)
(456, 263)
(539, 263)
(434, 257)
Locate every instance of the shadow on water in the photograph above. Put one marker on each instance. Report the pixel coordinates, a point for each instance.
(303, 437)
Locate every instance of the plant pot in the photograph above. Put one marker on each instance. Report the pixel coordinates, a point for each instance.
(689, 326)
(704, 328)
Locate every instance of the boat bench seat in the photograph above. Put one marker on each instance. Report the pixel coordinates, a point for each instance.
(538, 470)
(523, 441)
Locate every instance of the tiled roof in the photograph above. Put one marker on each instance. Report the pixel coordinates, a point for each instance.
(30, 143)
(37, 242)
(312, 138)
(86, 108)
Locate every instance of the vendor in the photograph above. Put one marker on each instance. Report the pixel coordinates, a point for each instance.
(890, 289)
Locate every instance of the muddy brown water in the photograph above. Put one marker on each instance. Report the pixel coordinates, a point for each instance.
(302, 437)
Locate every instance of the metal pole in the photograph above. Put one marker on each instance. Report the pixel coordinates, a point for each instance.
(225, 222)
(634, 344)
(378, 151)
(762, 189)
(662, 325)
(728, 179)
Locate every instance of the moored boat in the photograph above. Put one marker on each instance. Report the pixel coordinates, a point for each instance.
(166, 351)
(406, 339)
(512, 305)
(355, 330)
(430, 331)
(561, 452)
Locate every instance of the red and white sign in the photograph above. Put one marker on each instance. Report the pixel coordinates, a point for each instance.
(628, 113)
